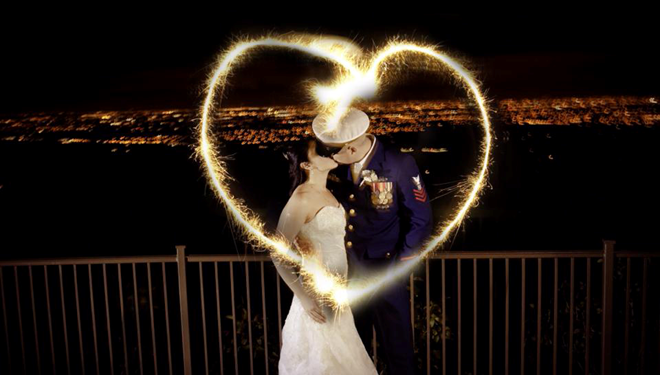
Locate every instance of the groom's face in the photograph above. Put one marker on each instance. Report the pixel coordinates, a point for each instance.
(350, 152)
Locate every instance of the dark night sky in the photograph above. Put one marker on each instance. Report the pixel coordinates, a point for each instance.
(125, 59)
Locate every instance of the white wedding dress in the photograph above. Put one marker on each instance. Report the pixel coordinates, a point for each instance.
(333, 347)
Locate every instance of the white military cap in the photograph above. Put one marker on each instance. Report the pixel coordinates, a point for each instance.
(352, 125)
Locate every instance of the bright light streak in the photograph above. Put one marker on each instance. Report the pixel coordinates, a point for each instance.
(359, 77)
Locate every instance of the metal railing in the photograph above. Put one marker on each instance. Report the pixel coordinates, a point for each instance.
(206, 313)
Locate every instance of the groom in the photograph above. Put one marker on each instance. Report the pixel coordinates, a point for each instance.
(388, 217)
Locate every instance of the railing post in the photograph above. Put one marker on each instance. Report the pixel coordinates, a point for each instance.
(183, 298)
(608, 287)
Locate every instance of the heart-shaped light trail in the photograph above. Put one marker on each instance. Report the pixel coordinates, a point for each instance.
(358, 77)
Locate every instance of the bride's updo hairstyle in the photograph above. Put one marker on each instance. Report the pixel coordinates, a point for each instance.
(297, 153)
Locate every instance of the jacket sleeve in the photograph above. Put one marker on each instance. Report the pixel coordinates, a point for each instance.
(415, 207)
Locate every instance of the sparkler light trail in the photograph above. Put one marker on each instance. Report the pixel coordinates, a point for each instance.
(359, 78)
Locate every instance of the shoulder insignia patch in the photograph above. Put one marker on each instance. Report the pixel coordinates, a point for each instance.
(420, 193)
(418, 182)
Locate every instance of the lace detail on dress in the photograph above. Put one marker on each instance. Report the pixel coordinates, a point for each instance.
(333, 347)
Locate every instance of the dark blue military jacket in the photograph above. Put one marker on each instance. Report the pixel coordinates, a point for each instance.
(384, 220)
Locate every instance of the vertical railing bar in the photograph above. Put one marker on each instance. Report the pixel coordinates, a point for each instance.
(506, 321)
(233, 313)
(182, 261)
(249, 314)
(50, 319)
(626, 332)
(107, 317)
(374, 346)
(444, 314)
(80, 340)
(570, 324)
(123, 319)
(458, 282)
(608, 285)
(20, 317)
(34, 320)
(642, 347)
(474, 316)
(91, 304)
(137, 318)
(201, 298)
(217, 308)
(587, 346)
(279, 308)
(490, 316)
(428, 318)
(538, 319)
(4, 318)
(263, 305)
(554, 318)
(66, 336)
(167, 319)
(412, 304)
(522, 317)
(151, 315)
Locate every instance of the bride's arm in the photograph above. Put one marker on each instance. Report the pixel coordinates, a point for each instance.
(291, 221)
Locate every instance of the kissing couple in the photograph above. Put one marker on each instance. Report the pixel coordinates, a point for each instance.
(370, 214)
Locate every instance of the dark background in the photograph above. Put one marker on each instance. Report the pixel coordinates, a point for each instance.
(123, 58)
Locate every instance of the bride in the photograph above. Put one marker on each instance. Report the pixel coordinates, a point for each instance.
(314, 341)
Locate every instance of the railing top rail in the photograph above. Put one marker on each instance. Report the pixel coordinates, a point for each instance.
(498, 254)
(227, 258)
(90, 260)
(518, 254)
(636, 253)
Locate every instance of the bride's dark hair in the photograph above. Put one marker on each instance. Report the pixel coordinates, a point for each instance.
(297, 153)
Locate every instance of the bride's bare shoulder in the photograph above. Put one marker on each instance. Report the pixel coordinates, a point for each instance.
(301, 194)
(304, 194)
(300, 202)
(303, 189)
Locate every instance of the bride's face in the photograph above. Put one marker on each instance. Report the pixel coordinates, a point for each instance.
(319, 162)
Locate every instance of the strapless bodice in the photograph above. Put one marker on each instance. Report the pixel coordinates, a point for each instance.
(326, 233)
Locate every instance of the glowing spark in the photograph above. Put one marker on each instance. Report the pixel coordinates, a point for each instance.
(359, 78)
